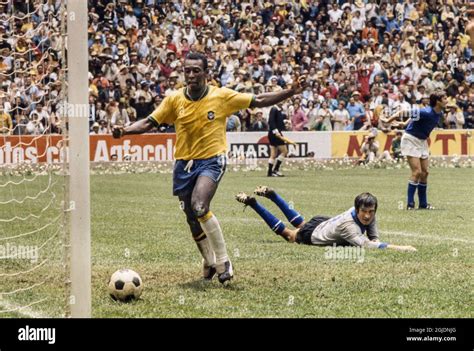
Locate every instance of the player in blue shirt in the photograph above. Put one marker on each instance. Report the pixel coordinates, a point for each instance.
(414, 145)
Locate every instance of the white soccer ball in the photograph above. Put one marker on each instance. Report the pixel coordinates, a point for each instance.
(125, 285)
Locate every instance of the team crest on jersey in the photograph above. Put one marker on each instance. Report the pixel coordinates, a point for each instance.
(211, 115)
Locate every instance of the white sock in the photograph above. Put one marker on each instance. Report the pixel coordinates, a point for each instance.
(206, 251)
(211, 227)
(281, 158)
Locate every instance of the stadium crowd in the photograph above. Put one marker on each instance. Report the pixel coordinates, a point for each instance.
(363, 60)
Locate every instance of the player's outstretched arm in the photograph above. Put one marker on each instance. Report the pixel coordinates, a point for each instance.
(402, 125)
(355, 239)
(139, 127)
(375, 244)
(394, 116)
(269, 99)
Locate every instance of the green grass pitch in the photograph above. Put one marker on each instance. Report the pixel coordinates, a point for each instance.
(137, 224)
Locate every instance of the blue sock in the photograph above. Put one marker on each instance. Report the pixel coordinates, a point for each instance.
(422, 194)
(411, 192)
(274, 223)
(292, 215)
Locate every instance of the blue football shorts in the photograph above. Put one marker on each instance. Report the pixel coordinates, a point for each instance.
(186, 173)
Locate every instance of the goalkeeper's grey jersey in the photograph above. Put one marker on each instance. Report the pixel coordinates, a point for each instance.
(344, 229)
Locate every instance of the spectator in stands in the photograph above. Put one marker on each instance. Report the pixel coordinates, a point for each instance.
(370, 150)
(233, 124)
(455, 117)
(103, 127)
(340, 117)
(6, 124)
(259, 124)
(95, 129)
(40, 117)
(345, 49)
(356, 112)
(324, 118)
(469, 117)
(298, 118)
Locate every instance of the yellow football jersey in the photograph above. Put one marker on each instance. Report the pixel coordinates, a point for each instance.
(200, 125)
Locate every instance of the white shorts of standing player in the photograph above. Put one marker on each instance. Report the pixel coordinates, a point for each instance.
(414, 147)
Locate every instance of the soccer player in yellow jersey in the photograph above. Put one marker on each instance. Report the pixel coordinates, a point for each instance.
(199, 113)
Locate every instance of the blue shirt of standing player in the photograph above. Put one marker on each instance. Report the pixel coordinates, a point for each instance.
(423, 121)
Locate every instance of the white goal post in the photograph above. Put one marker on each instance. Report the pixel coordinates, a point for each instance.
(79, 187)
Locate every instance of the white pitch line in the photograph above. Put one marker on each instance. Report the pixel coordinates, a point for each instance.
(23, 310)
(430, 237)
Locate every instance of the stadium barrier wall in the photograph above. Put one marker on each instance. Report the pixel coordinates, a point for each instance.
(160, 147)
(442, 143)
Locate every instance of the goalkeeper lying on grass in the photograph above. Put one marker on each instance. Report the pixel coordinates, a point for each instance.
(348, 228)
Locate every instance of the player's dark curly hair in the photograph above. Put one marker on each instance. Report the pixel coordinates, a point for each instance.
(436, 96)
(365, 200)
(198, 56)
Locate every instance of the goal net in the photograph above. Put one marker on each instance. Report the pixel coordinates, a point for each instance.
(35, 203)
